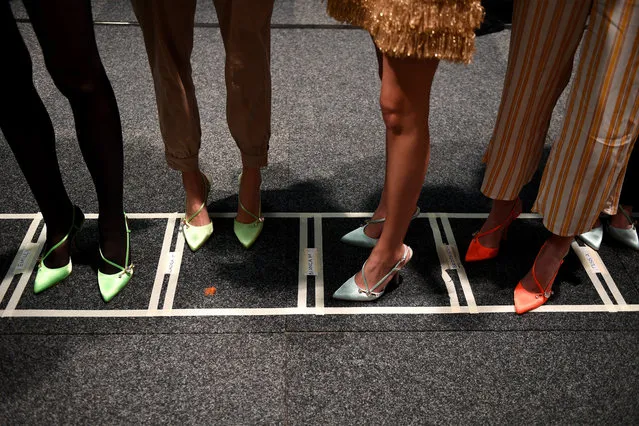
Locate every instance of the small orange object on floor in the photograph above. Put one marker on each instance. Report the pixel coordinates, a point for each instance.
(209, 291)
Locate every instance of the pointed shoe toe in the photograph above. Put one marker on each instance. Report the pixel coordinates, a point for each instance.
(526, 301)
(111, 284)
(48, 277)
(358, 238)
(593, 237)
(627, 237)
(196, 236)
(477, 252)
(351, 292)
(247, 233)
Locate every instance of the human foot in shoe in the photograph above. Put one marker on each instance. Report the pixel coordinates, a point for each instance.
(622, 228)
(501, 214)
(486, 241)
(536, 287)
(113, 242)
(56, 233)
(196, 196)
(249, 195)
(377, 272)
(55, 264)
(116, 268)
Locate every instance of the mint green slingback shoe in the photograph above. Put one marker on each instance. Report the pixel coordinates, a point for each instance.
(48, 277)
(247, 233)
(196, 236)
(111, 284)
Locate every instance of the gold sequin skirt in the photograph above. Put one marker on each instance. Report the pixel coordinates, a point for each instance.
(423, 29)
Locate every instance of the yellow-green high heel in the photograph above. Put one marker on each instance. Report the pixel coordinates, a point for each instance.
(111, 284)
(48, 277)
(247, 233)
(196, 236)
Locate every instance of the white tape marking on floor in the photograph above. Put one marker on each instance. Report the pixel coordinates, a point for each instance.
(603, 270)
(441, 252)
(175, 273)
(24, 278)
(161, 269)
(14, 216)
(319, 278)
(26, 244)
(280, 215)
(461, 272)
(302, 279)
(357, 310)
(587, 263)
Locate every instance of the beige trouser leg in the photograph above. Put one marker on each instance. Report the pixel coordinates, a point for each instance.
(586, 164)
(246, 31)
(167, 26)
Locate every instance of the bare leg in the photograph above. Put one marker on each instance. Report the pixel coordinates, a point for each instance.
(404, 100)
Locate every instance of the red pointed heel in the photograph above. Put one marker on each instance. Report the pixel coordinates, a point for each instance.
(526, 301)
(476, 251)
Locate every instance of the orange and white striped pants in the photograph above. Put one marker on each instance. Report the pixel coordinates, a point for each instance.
(586, 167)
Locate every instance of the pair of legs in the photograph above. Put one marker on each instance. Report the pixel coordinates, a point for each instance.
(586, 164)
(168, 28)
(64, 30)
(404, 101)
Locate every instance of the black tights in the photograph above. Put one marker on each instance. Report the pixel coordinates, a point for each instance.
(64, 29)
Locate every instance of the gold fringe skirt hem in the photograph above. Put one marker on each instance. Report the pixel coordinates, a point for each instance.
(421, 29)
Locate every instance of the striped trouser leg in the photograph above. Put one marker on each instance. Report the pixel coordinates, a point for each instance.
(545, 35)
(586, 164)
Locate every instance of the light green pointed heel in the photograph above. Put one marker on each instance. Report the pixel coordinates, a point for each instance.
(111, 284)
(247, 233)
(48, 277)
(196, 236)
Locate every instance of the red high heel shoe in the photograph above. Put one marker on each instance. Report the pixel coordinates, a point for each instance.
(476, 251)
(526, 301)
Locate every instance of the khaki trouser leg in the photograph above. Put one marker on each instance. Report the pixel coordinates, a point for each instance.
(167, 27)
(245, 28)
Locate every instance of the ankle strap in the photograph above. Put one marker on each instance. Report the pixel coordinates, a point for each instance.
(383, 219)
(510, 218)
(626, 215)
(543, 290)
(396, 268)
(66, 237)
(258, 219)
(128, 269)
(207, 188)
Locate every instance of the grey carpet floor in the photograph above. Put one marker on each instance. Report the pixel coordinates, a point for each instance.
(326, 156)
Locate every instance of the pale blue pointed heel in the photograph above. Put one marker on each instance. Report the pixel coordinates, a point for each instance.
(358, 237)
(247, 233)
(593, 237)
(111, 284)
(352, 292)
(48, 277)
(627, 237)
(196, 236)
